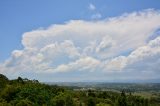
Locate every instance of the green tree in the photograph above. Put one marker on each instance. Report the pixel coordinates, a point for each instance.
(9, 93)
(59, 100)
(20, 80)
(122, 99)
(146, 102)
(69, 101)
(63, 99)
(24, 103)
(3, 81)
(91, 102)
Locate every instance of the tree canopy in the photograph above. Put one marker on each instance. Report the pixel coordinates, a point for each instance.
(25, 92)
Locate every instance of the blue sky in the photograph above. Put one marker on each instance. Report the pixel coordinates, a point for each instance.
(19, 17)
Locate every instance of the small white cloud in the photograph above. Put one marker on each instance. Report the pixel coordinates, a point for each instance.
(91, 7)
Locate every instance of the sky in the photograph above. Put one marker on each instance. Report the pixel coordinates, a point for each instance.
(80, 40)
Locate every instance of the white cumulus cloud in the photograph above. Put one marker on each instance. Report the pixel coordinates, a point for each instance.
(100, 46)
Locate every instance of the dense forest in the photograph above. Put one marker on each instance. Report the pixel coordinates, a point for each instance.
(25, 92)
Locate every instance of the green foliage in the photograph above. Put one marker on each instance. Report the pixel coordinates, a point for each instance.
(4, 103)
(24, 103)
(103, 104)
(3, 81)
(63, 99)
(122, 99)
(91, 102)
(9, 93)
(20, 80)
(25, 92)
(3, 77)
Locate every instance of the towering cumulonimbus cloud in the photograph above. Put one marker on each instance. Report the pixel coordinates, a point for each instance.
(113, 45)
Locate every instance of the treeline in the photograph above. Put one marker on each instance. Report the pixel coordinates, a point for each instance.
(25, 92)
